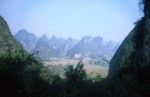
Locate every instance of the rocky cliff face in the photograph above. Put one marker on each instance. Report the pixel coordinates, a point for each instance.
(45, 48)
(86, 46)
(133, 55)
(122, 53)
(28, 40)
(146, 37)
(92, 47)
(7, 41)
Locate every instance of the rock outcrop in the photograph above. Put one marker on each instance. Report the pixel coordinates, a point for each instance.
(133, 55)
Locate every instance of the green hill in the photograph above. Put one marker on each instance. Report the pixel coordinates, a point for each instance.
(7, 41)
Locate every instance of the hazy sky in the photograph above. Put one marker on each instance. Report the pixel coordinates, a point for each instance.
(111, 19)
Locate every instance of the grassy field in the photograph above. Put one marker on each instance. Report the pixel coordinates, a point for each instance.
(91, 69)
(95, 69)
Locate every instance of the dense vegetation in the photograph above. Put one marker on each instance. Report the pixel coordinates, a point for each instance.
(23, 75)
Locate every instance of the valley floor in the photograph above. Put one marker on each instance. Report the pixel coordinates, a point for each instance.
(90, 68)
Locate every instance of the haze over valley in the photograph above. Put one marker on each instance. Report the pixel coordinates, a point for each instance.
(74, 48)
(80, 30)
(54, 51)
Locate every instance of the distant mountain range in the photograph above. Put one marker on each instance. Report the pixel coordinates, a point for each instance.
(28, 40)
(47, 48)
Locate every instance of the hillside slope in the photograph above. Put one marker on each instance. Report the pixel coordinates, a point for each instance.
(122, 53)
(7, 41)
(133, 56)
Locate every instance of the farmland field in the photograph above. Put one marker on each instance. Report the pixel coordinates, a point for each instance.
(90, 69)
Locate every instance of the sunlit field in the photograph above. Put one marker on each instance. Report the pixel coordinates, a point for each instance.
(90, 68)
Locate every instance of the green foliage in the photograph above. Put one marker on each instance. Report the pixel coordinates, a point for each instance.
(20, 75)
(75, 78)
(23, 75)
(57, 69)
